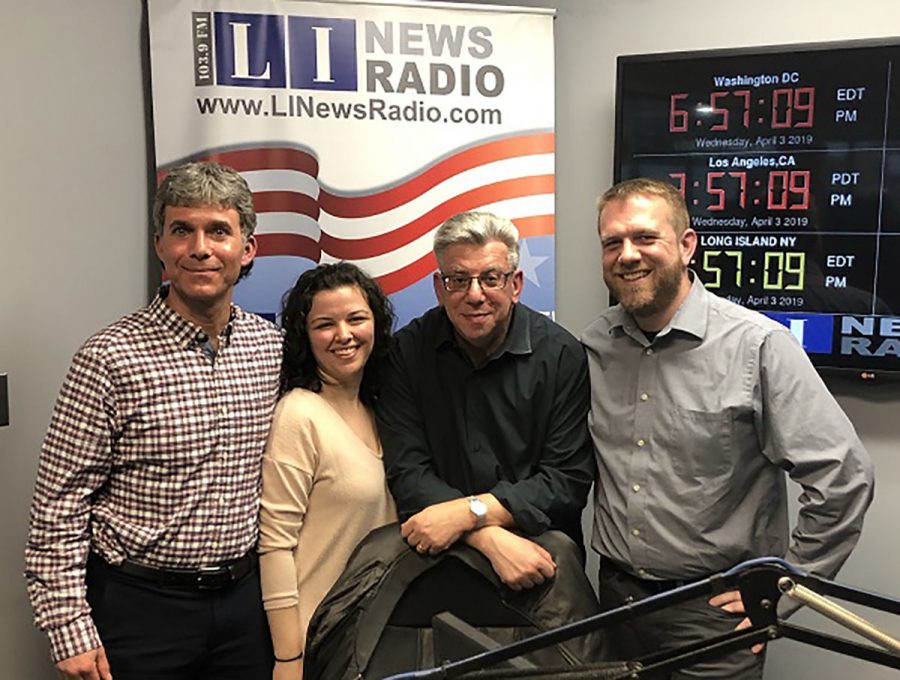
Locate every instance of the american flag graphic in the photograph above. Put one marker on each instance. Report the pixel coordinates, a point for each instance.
(388, 230)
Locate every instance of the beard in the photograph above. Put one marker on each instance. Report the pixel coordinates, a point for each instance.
(654, 294)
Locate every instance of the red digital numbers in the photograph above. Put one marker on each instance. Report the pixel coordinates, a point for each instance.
(788, 190)
(742, 184)
(745, 95)
(719, 189)
(679, 178)
(718, 111)
(722, 112)
(785, 190)
(715, 191)
(678, 118)
(791, 107)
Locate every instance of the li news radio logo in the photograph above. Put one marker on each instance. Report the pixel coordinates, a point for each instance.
(274, 51)
(815, 332)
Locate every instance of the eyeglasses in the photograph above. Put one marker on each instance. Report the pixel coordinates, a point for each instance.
(457, 283)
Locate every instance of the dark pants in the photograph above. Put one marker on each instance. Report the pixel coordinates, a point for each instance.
(153, 632)
(673, 627)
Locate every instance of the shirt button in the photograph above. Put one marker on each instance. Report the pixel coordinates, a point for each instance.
(645, 396)
(636, 532)
(641, 442)
(636, 488)
(649, 351)
(642, 573)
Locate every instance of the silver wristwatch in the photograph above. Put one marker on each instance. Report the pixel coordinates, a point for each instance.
(478, 508)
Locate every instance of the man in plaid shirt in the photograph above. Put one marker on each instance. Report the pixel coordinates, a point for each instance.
(141, 556)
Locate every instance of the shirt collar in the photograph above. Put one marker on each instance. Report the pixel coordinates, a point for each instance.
(186, 333)
(692, 316)
(518, 339)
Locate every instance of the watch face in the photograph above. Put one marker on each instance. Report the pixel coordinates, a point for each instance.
(478, 508)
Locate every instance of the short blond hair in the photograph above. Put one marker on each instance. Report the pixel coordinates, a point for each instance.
(644, 186)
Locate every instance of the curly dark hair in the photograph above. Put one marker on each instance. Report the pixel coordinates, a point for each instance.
(299, 367)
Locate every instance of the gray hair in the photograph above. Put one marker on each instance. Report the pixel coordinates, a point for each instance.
(644, 186)
(205, 183)
(478, 229)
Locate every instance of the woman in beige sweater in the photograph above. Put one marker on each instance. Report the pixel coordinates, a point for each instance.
(324, 487)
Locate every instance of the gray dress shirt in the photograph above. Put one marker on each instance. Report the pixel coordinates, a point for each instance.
(693, 433)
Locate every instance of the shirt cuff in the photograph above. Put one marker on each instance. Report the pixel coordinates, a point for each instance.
(74, 638)
(278, 580)
(528, 519)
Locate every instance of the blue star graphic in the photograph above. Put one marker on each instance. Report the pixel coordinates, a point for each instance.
(529, 263)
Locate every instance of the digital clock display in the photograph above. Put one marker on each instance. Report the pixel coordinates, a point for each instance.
(789, 163)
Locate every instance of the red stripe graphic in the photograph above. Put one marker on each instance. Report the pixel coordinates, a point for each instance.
(285, 201)
(408, 275)
(260, 158)
(539, 225)
(268, 158)
(536, 225)
(288, 244)
(373, 204)
(303, 246)
(367, 205)
(356, 249)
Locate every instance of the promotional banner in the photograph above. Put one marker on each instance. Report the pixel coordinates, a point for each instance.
(361, 127)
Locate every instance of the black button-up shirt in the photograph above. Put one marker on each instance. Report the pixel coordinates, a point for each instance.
(515, 427)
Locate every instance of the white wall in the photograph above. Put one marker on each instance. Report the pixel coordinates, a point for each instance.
(73, 187)
(73, 183)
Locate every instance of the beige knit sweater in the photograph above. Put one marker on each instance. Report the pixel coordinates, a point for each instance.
(323, 491)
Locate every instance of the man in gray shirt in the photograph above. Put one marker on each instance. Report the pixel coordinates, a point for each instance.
(698, 408)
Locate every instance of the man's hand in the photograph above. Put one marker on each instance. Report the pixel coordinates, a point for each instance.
(91, 665)
(731, 602)
(518, 562)
(439, 526)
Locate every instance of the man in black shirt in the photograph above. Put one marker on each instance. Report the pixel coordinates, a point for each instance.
(483, 412)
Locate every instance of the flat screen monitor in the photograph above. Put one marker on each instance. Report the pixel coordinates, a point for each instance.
(789, 162)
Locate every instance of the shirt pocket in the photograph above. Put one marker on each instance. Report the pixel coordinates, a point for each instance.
(696, 443)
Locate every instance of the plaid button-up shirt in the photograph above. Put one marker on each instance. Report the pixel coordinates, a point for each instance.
(153, 454)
